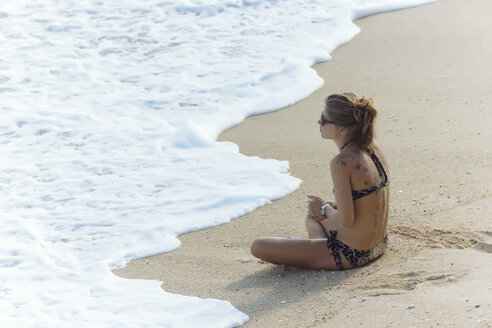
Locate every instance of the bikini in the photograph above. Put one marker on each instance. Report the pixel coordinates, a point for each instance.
(357, 257)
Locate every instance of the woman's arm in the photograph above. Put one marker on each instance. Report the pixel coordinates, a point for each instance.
(343, 214)
(315, 204)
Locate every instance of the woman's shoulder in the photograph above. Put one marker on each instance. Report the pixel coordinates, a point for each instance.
(379, 153)
(348, 158)
(375, 146)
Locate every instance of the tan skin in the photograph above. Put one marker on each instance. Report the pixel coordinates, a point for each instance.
(361, 224)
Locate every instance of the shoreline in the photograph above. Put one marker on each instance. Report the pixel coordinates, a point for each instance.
(431, 93)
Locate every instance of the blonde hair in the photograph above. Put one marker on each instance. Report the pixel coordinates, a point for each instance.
(356, 114)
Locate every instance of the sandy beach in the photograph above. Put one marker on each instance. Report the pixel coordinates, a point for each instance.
(429, 70)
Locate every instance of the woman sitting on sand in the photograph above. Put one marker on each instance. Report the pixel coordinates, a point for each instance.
(350, 231)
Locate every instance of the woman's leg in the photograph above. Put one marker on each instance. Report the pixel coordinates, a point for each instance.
(315, 229)
(305, 253)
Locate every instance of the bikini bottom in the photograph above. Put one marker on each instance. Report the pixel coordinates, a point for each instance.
(356, 257)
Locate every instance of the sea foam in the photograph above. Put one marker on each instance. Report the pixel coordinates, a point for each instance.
(110, 111)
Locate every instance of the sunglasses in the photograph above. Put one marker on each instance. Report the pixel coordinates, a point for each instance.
(324, 121)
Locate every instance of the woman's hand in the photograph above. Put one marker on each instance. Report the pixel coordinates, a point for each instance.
(332, 204)
(314, 207)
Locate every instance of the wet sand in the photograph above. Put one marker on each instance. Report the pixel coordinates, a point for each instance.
(430, 71)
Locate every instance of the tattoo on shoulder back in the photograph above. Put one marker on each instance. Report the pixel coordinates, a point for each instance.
(346, 159)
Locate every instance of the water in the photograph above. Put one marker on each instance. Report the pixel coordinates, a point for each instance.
(109, 115)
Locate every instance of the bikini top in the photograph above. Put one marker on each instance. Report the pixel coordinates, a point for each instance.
(356, 194)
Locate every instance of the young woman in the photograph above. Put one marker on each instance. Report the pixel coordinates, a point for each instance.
(350, 231)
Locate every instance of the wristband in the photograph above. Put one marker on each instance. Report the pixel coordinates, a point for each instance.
(322, 210)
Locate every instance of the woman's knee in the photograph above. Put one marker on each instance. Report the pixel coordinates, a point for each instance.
(259, 247)
(256, 247)
(308, 221)
(314, 228)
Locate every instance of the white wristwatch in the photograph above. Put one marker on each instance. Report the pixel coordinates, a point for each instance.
(322, 210)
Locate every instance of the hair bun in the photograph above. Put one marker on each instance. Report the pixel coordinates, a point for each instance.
(363, 109)
(363, 103)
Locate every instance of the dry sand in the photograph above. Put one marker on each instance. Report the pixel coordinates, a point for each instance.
(430, 71)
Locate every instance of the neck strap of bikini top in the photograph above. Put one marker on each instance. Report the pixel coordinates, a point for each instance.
(346, 144)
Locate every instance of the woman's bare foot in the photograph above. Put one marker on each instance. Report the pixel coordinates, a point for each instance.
(286, 267)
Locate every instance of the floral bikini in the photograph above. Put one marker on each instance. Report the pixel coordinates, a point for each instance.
(357, 257)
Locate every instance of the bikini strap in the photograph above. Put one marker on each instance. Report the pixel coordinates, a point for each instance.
(334, 247)
(379, 167)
